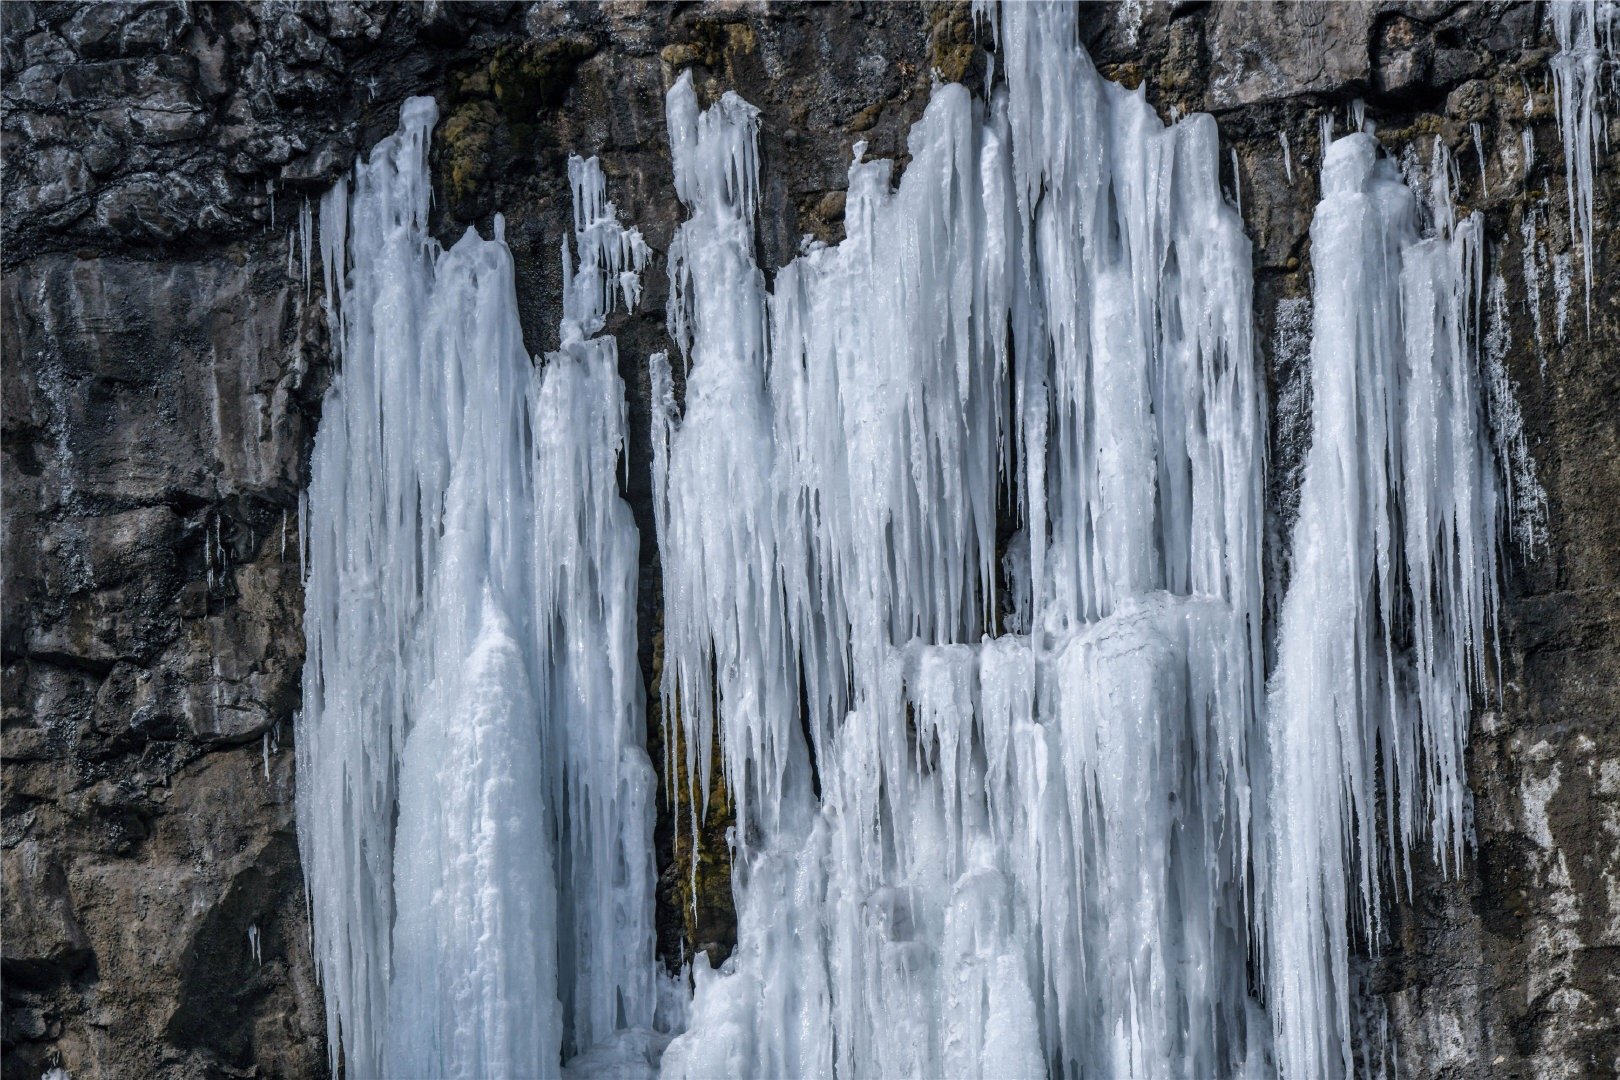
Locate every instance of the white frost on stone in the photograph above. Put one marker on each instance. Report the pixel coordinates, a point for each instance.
(1526, 500)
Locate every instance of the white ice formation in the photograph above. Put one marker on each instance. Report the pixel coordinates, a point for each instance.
(1586, 48)
(1021, 804)
(960, 524)
(475, 802)
(1383, 630)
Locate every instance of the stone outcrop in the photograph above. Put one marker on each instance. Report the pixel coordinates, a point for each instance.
(164, 358)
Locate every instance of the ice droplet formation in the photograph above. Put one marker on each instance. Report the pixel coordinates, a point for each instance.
(960, 525)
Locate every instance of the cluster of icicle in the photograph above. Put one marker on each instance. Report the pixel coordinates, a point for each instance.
(960, 527)
(1585, 58)
(1026, 804)
(1383, 629)
(475, 800)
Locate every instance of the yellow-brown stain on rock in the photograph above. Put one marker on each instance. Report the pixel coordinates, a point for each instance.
(698, 881)
(952, 48)
(712, 44)
(496, 102)
(465, 139)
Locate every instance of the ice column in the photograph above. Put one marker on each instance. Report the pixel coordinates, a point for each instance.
(726, 636)
(364, 582)
(1395, 542)
(1585, 33)
(585, 556)
(474, 798)
(1024, 845)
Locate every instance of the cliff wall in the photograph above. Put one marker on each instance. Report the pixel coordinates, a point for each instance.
(164, 357)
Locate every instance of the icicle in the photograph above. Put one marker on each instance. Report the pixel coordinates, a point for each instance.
(1526, 501)
(1479, 152)
(302, 535)
(266, 749)
(1237, 184)
(253, 943)
(306, 226)
(1585, 44)
(586, 554)
(219, 561)
(475, 803)
(1395, 394)
(1288, 156)
(334, 234)
(826, 512)
(611, 257)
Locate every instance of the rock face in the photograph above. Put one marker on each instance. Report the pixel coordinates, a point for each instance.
(164, 358)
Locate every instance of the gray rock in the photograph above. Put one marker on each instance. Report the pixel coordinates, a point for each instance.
(103, 152)
(1265, 52)
(114, 29)
(320, 168)
(1470, 102)
(38, 84)
(348, 21)
(160, 82)
(159, 124)
(142, 206)
(1403, 56)
(45, 942)
(62, 176)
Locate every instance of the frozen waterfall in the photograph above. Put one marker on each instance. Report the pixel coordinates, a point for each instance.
(1393, 599)
(960, 530)
(475, 800)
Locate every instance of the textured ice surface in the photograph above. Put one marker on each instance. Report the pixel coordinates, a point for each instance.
(986, 873)
(1395, 538)
(1586, 45)
(475, 803)
(1019, 805)
(960, 528)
